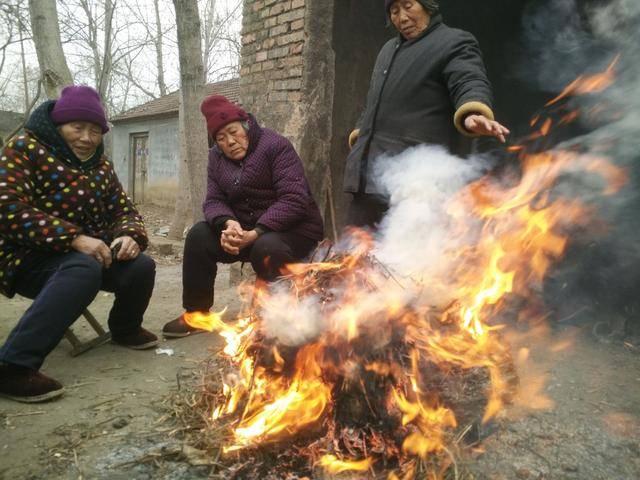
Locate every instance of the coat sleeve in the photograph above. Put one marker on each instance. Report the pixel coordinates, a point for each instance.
(466, 78)
(21, 221)
(124, 219)
(215, 205)
(292, 191)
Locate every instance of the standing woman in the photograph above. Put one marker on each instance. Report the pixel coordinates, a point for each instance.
(258, 208)
(429, 86)
(67, 231)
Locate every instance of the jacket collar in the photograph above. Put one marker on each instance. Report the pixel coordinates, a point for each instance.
(255, 133)
(43, 128)
(434, 23)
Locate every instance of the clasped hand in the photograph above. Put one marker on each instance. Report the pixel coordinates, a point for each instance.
(234, 238)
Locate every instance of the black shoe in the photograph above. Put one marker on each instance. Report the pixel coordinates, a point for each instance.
(178, 328)
(141, 339)
(26, 385)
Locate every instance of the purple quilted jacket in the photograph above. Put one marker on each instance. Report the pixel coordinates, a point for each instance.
(267, 189)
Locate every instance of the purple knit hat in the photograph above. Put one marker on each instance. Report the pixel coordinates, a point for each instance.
(79, 103)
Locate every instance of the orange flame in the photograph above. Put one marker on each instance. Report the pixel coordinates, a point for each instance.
(589, 83)
(518, 229)
(332, 465)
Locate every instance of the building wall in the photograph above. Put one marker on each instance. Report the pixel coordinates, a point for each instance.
(162, 176)
(271, 67)
(287, 77)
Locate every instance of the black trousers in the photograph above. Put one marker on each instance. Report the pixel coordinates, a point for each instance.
(366, 210)
(62, 286)
(202, 252)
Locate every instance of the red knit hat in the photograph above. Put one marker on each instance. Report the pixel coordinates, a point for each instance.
(219, 111)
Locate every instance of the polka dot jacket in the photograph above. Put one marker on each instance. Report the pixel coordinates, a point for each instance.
(46, 201)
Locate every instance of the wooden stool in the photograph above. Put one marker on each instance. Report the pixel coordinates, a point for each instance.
(81, 347)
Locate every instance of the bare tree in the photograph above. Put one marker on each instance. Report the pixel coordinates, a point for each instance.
(105, 46)
(157, 43)
(219, 41)
(192, 78)
(155, 34)
(54, 71)
(8, 36)
(23, 61)
(93, 33)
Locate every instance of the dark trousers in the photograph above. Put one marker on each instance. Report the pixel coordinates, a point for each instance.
(62, 286)
(202, 252)
(366, 210)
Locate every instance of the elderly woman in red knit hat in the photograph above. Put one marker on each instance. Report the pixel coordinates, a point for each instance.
(67, 231)
(258, 208)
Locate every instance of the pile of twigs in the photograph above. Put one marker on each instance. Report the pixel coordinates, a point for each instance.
(360, 424)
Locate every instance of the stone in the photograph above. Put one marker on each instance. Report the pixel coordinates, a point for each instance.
(120, 423)
(165, 248)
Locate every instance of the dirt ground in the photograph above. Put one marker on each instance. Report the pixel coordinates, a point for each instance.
(111, 422)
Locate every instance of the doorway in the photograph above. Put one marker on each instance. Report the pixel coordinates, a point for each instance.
(139, 154)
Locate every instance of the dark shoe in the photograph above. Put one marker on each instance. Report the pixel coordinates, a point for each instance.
(178, 328)
(138, 340)
(26, 385)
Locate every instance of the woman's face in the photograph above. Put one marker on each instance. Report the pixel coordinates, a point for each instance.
(82, 137)
(232, 139)
(409, 17)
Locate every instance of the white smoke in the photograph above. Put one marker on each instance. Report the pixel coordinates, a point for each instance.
(413, 242)
(293, 322)
(416, 232)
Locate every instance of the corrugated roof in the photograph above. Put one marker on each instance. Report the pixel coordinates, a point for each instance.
(168, 105)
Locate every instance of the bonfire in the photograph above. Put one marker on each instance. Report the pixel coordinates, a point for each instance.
(345, 366)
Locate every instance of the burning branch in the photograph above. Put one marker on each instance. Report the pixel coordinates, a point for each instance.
(342, 366)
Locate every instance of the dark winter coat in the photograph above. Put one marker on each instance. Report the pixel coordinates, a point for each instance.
(48, 197)
(421, 90)
(268, 188)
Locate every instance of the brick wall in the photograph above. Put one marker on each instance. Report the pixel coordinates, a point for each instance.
(273, 39)
(305, 71)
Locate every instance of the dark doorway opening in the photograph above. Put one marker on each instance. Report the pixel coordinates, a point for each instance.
(358, 34)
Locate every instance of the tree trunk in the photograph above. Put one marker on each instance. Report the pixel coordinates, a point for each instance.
(25, 80)
(104, 79)
(183, 199)
(158, 45)
(54, 71)
(191, 94)
(210, 35)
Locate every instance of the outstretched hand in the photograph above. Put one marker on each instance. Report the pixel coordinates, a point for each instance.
(481, 125)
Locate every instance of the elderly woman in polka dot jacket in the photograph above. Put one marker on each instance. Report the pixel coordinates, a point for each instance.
(67, 231)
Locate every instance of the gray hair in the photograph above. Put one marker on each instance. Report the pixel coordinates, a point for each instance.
(431, 6)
